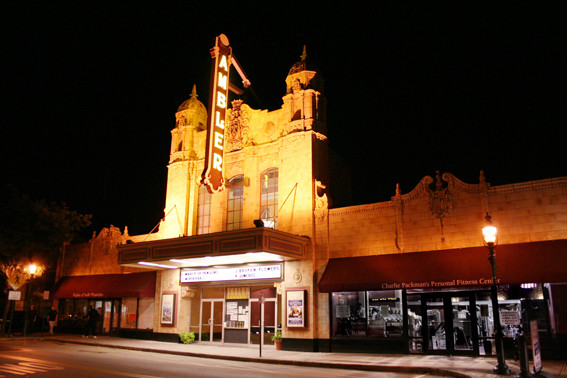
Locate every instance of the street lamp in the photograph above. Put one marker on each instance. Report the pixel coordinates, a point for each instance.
(32, 269)
(489, 233)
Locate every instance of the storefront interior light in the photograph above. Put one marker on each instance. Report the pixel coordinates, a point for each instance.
(528, 285)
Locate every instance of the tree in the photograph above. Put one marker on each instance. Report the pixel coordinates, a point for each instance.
(34, 231)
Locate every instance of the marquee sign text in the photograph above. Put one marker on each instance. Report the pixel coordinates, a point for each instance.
(241, 273)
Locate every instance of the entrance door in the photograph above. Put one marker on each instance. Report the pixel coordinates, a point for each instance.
(436, 324)
(109, 312)
(263, 320)
(463, 318)
(451, 323)
(263, 316)
(211, 320)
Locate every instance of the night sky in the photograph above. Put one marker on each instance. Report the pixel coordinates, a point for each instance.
(91, 89)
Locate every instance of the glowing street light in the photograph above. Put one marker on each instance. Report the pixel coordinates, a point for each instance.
(32, 269)
(489, 232)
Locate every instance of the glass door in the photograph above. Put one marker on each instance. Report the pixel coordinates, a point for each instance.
(263, 316)
(108, 315)
(462, 324)
(451, 325)
(269, 322)
(436, 333)
(211, 320)
(415, 322)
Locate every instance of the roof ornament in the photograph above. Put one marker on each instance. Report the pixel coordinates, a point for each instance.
(440, 197)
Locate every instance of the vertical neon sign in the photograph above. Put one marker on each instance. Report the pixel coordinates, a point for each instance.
(212, 176)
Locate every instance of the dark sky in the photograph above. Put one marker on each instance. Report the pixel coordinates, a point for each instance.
(91, 89)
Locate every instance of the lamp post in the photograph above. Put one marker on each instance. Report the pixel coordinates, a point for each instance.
(32, 268)
(489, 233)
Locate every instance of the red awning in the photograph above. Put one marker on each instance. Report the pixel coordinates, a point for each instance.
(141, 285)
(536, 262)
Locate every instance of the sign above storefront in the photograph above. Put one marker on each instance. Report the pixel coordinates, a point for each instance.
(462, 267)
(241, 273)
(212, 176)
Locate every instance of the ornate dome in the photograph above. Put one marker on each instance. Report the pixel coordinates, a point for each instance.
(197, 112)
(304, 64)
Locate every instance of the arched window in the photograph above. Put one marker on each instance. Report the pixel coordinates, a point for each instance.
(235, 201)
(204, 211)
(269, 197)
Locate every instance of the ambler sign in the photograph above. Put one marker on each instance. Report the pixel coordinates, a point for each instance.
(212, 176)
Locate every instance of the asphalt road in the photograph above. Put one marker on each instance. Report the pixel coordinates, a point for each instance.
(49, 359)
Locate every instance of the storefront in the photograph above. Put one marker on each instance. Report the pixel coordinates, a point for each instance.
(439, 302)
(124, 301)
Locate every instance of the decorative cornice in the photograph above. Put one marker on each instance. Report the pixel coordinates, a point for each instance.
(529, 185)
(362, 208)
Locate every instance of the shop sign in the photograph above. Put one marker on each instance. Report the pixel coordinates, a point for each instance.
(212, 176)
(536, 347)
(343, 311)
(437, 284)
(260, 272)
(382, 300)
(88, 295)
(509, 318)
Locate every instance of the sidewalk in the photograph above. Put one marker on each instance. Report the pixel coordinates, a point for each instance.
(455, 366)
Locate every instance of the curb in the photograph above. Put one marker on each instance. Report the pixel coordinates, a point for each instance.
(353, 366)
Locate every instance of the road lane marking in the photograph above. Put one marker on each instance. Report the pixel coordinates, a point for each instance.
(23, 370)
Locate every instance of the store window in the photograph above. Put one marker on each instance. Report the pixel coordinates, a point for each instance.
(146, 313)
(375, 314)
(128, 312)
(269, 197)
(204, 211)
(235, 202)
(137, 313)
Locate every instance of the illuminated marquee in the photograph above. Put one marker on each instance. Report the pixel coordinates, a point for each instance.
(212, 176)
(243, 273)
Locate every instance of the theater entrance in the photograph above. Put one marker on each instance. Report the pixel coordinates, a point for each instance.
(211, 320)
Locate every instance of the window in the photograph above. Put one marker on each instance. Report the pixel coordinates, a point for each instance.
(367, 314)
(204, 211)
(269, 197)
(128, 312)
(235, 202)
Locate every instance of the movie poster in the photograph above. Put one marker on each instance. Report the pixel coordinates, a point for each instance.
(167, 308)
(296, 308)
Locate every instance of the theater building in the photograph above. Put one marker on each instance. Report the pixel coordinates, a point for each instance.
(269, 251)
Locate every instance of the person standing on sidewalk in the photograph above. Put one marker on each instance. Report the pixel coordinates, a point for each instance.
(92, 316)
(52, 319)
(31, 319)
